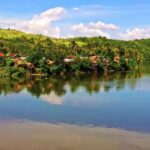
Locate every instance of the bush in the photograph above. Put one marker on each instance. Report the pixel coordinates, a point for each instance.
(85, 64)
(56, 68)
(2, 62)
(35, 57)
(13, 71)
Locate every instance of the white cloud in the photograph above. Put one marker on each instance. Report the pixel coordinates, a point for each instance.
(94, 29)
(76, 8)
(102, 26)
(70, 36)
(136, 33)
(41, 24)
(8, 23)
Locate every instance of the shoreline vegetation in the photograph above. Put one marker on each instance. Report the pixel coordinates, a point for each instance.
(24, 54)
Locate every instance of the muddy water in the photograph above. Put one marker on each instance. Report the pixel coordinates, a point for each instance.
(39, 136)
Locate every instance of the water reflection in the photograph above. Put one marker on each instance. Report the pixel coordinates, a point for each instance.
(115, 100)
(52, 98)
(92, 83)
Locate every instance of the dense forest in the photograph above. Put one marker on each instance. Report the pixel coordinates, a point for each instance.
(21, 53)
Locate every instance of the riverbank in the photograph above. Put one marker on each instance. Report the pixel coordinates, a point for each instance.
(4, 73)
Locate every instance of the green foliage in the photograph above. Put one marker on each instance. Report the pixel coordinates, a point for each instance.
(43, 65)
(9, 62)
(15, 72)
(85, 64)
(56, 68)
(35, 58)
(37, 47)
(2, 62)
(75, 66)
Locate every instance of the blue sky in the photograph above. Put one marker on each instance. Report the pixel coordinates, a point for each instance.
(131, 17)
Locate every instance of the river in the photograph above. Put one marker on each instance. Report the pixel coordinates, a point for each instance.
(109, 111)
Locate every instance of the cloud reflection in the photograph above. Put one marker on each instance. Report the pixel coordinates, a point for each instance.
(52, 98)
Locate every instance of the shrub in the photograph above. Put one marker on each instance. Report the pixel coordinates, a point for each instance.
(13, 71)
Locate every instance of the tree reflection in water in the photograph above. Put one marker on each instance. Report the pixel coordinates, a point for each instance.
(92, 83)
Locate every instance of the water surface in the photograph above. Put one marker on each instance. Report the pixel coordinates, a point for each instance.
(100, 106)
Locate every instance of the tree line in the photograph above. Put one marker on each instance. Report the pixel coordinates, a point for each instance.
(107, 54)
